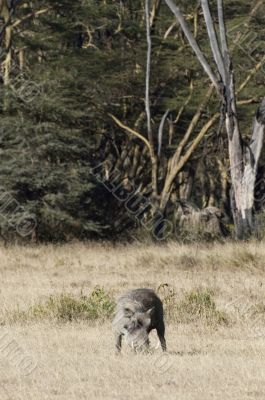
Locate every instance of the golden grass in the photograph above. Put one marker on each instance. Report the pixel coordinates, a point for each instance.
(215, 303)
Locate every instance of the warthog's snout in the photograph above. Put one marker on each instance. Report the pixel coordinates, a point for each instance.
(136, 330)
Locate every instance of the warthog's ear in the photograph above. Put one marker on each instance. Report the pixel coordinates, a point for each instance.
(150, 311)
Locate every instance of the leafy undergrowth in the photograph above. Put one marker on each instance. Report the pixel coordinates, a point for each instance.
(197, 305)
(66, 307)
(194, 306)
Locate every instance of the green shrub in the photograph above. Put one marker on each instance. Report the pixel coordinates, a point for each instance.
(66, 308)
(197, 305)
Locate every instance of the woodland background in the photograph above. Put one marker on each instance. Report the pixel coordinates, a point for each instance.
(68, 68)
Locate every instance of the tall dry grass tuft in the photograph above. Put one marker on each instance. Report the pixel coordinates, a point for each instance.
(99, 305)
(196, 305)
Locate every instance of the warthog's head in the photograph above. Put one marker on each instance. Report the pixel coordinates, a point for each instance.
(136, 329)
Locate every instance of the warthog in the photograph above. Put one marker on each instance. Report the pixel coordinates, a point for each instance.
(137, 313)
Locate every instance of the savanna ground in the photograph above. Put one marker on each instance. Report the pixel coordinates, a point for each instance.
(56, 304)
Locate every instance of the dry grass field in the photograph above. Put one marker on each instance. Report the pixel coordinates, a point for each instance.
(55, 334)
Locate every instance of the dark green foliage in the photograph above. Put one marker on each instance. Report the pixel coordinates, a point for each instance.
(47, 138)
(83, 60)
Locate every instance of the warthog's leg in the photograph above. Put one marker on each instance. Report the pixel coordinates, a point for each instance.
(118, 342)
(161, 335)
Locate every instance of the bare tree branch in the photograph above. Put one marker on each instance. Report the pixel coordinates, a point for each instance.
(193, 43)
(222, 29)
(213, 39)
(251, 74)
(192, 125)
(131, 131)
(183, 160)
(148, 70)
(185, 103)
(30, 15)
(147, 100)
(258, 134)
(253, 100)
(154, 12)
(160, 132)
(6, 13)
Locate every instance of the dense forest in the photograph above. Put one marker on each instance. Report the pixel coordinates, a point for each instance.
(109, 126)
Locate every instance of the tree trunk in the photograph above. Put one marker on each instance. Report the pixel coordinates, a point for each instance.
(243, 158)
(243, 174)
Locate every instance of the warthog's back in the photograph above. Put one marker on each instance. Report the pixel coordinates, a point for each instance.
(143, 298)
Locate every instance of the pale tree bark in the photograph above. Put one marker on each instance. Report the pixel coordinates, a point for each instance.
(147, 100)
(189, 142)
(243, 158)
(154, 12)
(6, 13)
